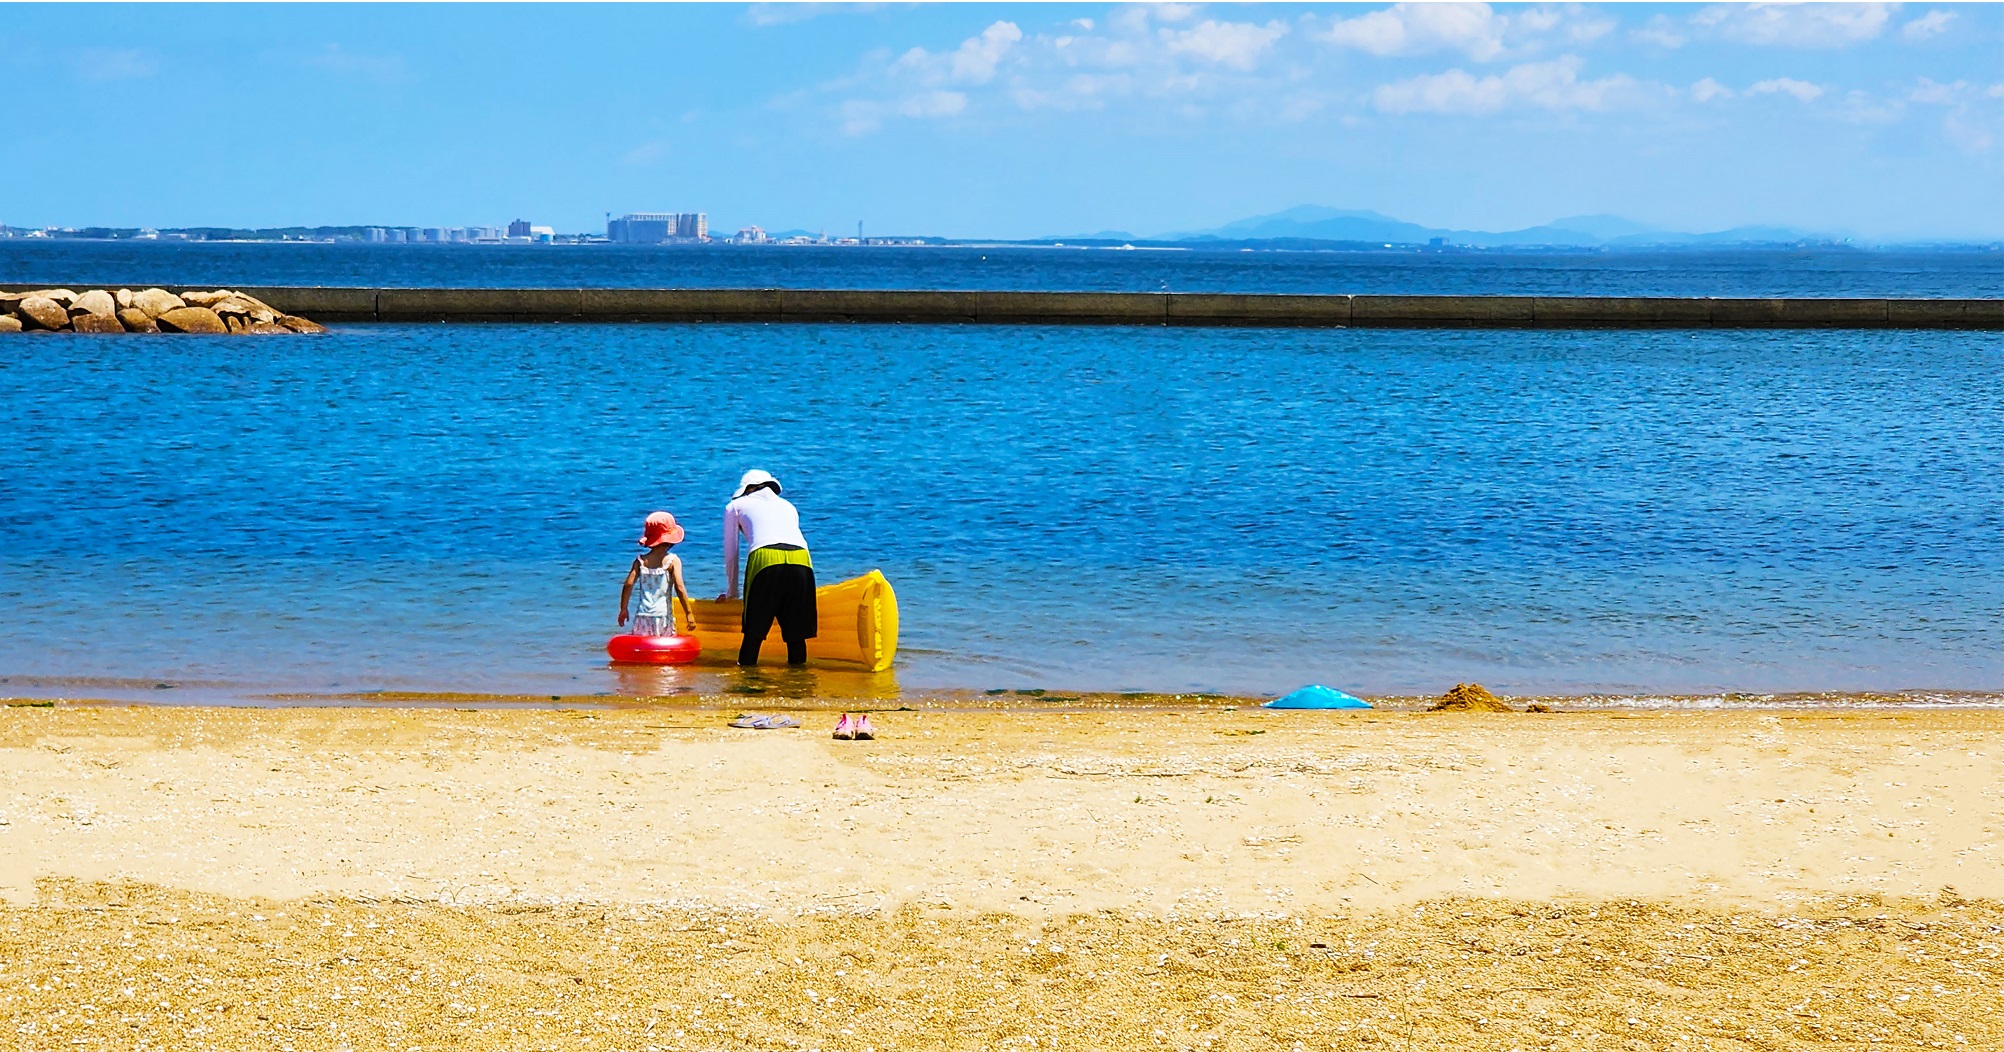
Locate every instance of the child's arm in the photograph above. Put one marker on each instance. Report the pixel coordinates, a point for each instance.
(626, 590)
(681, 590)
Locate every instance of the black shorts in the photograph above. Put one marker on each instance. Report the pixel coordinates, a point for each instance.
(783, 593)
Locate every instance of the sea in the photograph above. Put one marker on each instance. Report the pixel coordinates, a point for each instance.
(406, 511)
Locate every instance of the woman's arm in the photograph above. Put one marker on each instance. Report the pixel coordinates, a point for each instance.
(681, 590)
(626, 590)
(731, 529)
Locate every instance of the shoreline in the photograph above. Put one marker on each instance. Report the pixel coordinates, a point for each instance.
(814, 695)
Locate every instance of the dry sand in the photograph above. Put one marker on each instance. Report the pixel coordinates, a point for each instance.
(632, 878)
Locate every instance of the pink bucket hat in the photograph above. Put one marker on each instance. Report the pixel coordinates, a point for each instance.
(661, 529)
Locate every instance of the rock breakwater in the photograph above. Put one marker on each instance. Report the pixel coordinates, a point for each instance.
(220, 312)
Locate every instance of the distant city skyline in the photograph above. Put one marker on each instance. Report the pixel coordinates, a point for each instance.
(1882, 122)
(1304, 226)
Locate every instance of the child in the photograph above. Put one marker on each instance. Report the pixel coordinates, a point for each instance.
(657, 571)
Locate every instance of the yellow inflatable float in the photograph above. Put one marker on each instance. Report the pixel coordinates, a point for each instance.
(858, 627)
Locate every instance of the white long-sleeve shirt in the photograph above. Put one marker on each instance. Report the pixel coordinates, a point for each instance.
(763, 518)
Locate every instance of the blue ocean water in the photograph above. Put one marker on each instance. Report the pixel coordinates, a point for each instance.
(1830, 271)
(452, 507)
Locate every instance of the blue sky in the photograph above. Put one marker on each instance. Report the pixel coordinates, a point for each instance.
(1877, 120)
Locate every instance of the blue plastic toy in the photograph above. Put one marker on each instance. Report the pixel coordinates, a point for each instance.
(1317, 697)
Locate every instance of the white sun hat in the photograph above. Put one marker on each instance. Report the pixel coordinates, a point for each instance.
(756, 477)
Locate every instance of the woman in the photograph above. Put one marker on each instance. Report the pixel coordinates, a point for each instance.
(779, 574)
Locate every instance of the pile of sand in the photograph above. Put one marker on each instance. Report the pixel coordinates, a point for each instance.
(1469, 697)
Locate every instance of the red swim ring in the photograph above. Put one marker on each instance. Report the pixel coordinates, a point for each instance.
(654, 650)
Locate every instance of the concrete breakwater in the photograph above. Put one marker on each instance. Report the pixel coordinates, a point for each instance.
(1123, 308)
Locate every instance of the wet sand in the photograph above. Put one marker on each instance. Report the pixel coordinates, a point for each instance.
(627, 878)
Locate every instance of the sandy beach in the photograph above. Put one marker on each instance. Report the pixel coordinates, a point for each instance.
(1200, 878)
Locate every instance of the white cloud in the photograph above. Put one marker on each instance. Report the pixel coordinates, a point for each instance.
(114, 64)
(1570, 24)
(1553, 85)
(1708, 89)
(1931, 24)
(1162, 52)
(646, 153)
(1801, 89)
(1796, 24)
(781, 14)
(1134, 18)
(1235, 44)
(1174, 62)
(382, 69)
(1659, 31)
(1412, 29)
(1972, 114)
(973, 62)
(933, 104)
(861, 116)
(1082, 91)
(1929, 92)
(1474, 29)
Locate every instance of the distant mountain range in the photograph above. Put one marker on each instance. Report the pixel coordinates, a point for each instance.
(1320, 223)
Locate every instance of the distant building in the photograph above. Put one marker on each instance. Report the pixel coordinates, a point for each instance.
(375, 235)
(653, 228)
(519, 228)
(752, 235)
(641, 228)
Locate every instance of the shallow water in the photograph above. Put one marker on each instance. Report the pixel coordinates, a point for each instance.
(452, 507)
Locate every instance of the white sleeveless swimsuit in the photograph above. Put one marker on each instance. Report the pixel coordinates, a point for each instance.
(651, 595)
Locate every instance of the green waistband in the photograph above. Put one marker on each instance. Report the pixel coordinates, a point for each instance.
(760, 558)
